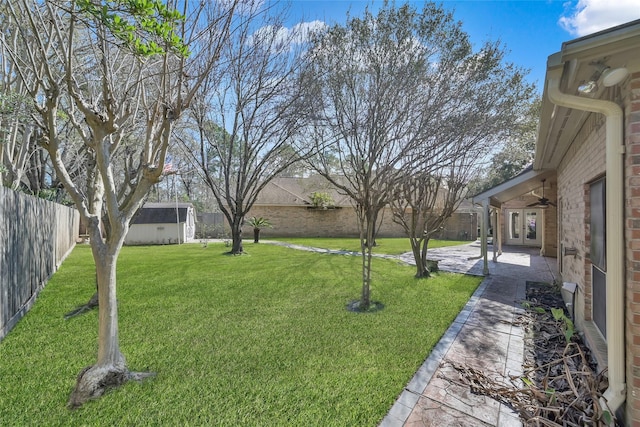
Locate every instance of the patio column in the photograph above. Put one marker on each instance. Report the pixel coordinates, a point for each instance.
(495, 234)
(499, 230)
(483, 235)
(543, 231)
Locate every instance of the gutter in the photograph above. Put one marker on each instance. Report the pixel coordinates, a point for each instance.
(615, 394)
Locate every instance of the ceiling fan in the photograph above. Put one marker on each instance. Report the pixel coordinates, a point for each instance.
(542, 202)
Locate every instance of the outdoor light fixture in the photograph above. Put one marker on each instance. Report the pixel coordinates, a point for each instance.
(588, 87)
(610, 77)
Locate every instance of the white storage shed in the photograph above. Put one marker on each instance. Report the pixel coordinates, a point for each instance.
(162, 224)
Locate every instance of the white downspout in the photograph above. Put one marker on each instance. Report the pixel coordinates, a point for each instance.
(615, 394)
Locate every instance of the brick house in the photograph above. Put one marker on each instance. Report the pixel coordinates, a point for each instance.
(588, 151)
(290, 208)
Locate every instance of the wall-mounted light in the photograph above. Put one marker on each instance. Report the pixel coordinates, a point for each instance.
(588, 87)
(610, 77)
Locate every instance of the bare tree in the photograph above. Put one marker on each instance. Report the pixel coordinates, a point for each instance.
(424, 201)
(247, 120)
(388, 88)
(17, 131)
(489, 108)
(83, 63)
(366, 77)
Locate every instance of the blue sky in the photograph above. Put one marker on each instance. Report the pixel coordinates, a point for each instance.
(531, 30)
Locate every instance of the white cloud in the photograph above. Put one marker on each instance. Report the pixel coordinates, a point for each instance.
(589, 16)
(242, 7)
(282, 39)
(303, 31)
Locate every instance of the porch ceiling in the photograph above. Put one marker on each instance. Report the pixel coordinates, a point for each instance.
(516, 187)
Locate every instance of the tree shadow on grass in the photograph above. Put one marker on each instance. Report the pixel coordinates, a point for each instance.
(374, 307)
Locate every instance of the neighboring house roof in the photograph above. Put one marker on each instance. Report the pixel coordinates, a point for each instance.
(161, 213)
(285, 191)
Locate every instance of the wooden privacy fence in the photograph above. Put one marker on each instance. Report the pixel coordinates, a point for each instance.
(35, 236)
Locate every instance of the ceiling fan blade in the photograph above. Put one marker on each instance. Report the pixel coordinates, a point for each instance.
(533, 204)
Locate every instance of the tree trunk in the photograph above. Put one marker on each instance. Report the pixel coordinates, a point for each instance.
(422, 269)
(423, 258)
(110, 369)
(374, 224)
(256, 235)
(365, 298)
(236, 236)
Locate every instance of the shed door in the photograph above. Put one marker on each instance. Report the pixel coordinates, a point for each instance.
(191, 225)
(523, 227)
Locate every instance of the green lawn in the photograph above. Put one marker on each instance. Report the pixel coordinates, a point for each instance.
(391, 246)
(256, 340)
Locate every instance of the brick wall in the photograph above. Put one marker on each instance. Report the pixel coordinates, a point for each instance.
(299, 221)
(551, 229)
(632, 238)
(583, 163)
(461, 226)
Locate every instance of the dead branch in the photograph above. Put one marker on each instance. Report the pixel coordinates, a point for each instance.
(559, 385)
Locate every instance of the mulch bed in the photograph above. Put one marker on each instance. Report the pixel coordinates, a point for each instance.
(560, 385)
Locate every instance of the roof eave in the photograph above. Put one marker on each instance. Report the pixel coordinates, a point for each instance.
(558, 125)
(547, 114)
(508, 190)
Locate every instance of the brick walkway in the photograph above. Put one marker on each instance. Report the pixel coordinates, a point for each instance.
(483, 336)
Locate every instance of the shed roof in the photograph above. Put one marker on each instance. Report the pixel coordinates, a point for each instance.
(161, 213)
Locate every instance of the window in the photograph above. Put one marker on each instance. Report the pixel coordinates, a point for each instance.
(597, 205)
(598, 229)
